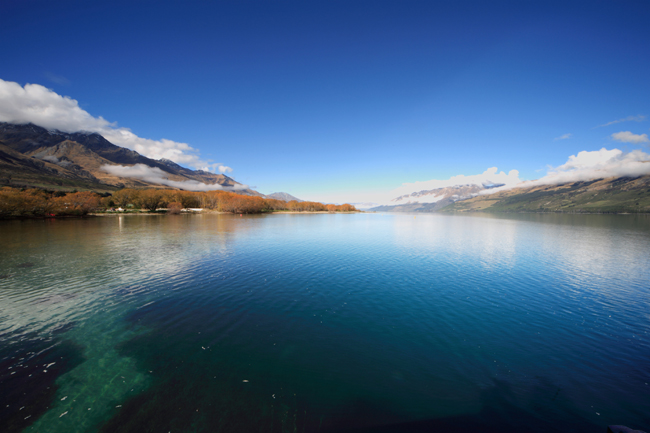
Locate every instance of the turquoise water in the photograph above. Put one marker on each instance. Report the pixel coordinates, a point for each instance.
(308, 323)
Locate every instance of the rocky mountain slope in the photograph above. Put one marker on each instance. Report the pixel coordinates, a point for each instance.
(32, 156)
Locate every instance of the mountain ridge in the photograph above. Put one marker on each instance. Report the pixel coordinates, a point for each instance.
(604, 195)
(38, 157)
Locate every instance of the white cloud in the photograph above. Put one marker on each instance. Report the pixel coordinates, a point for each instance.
(590, 165)
(44, 107)
(629, 137)
(563, 137)
(639, 118)
(597, 164)
(156, 175)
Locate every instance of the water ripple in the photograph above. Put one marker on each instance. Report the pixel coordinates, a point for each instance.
(331, 317)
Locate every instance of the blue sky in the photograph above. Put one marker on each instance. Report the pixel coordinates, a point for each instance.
(338, 100)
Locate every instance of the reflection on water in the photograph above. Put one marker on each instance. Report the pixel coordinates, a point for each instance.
(325, 323)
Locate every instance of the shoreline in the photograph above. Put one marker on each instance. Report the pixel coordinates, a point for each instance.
(113, 214)
(210, 212)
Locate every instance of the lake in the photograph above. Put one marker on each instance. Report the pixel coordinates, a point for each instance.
(324, 322)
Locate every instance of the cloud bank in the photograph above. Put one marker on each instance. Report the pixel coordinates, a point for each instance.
(598, 164)
(563, 137)
(629, 137)
(44, 107)
(156, 175)
(590, 165)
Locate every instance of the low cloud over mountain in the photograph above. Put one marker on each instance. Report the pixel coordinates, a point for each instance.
(585, 166)
(157, 176)
(590, 165)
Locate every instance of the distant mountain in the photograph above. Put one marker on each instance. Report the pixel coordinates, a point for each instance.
(430, 200)
(615, 195)
(611, 195)
(283, 196)
(36, 157)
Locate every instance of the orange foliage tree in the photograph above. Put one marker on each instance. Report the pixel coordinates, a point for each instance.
(17, 203)
(150, 199)
(237, 203)
(223, 201)
(125, 197)
(77, 203)
(35, 202)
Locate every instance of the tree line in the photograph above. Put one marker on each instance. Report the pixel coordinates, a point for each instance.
(37, 202)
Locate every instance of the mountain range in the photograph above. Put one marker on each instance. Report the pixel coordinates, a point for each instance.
(32, 156)
(609, 195)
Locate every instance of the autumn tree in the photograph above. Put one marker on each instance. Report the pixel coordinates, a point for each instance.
(189, 199)
(347, 208)
(14, 202)
(35, 202)
(77, 203)
(126, 196)
(275, 204)
(107, 202)
(150, 199)
(211, 199)
(9, 201)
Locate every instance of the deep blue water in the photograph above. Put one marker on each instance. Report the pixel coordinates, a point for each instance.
(308, 323)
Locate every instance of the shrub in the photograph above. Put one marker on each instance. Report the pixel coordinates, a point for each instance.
(174, 208)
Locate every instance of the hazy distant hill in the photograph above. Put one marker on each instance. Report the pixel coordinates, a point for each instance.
(429, 200)
(616, 195)
(34, 156)
(283, 196)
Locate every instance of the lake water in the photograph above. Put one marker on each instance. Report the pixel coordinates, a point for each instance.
(319, 322)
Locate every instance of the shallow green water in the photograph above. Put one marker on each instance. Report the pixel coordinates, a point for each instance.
(325, 323)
